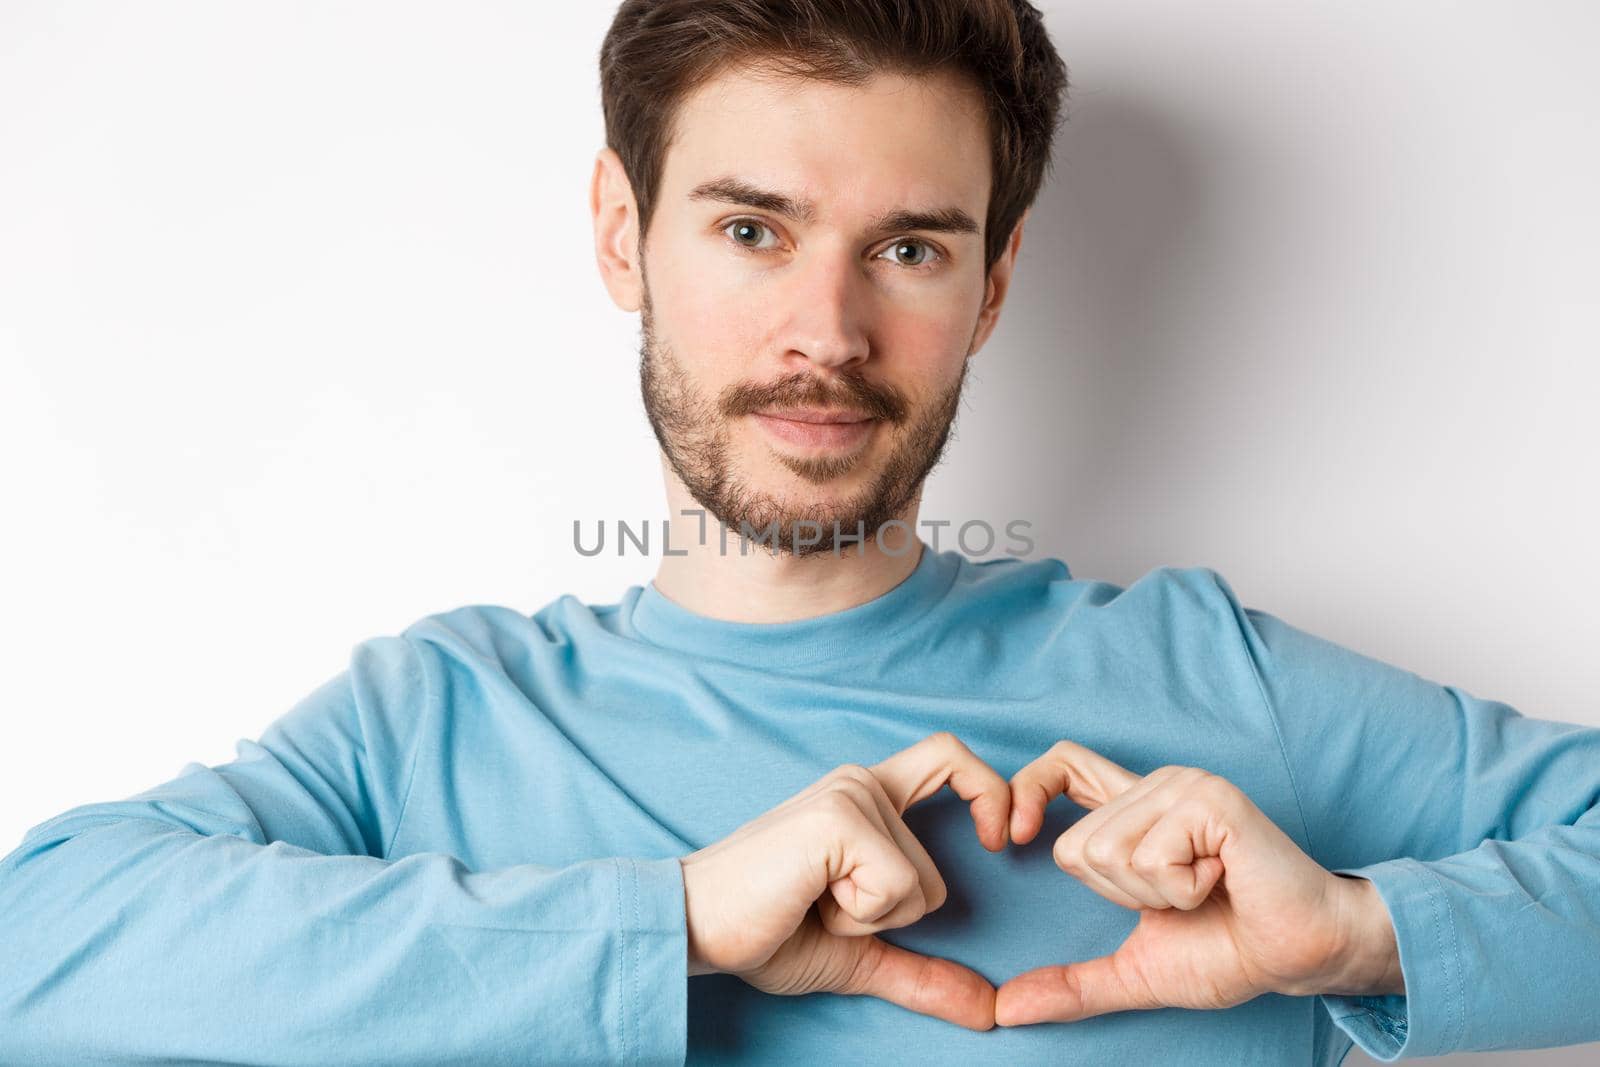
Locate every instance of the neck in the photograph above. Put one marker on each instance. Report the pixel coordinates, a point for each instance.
(759, 585)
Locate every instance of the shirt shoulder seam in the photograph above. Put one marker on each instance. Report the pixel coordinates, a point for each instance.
(1272, 714)
(420, 676)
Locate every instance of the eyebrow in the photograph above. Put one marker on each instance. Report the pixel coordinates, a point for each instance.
(731, 190)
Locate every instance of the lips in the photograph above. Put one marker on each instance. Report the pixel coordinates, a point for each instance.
(828, 429)
(817, 416)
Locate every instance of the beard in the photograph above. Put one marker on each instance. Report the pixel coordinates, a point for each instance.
(695, 434)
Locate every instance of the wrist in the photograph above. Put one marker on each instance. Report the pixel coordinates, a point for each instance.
(1366, 960)
(696, 964)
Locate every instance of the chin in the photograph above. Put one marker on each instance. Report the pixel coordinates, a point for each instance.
(781, 483)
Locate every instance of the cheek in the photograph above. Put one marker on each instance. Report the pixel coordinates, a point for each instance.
(710, 328)
(933, 344)
(928, 323)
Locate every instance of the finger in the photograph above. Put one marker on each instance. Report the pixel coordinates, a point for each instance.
(1083, 775)
(934, 890)
(925, 984)
(1177, 860)
(940, 759)
(873, 882)
(829, 781)
(862, 788)
(836, 920)
(911, 907)
(1094, 822)
(1108, 847)
(1071, 992)
(1099, 883)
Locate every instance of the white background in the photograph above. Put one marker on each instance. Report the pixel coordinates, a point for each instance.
(302, 340)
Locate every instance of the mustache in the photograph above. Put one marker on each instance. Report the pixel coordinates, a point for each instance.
(851, 392)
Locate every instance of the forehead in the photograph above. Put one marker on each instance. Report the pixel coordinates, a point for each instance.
(894, 141)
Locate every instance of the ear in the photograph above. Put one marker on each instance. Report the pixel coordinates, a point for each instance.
(616, 227)
(995, 288)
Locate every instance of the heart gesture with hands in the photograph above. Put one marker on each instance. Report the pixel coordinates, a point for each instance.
(1229, 907)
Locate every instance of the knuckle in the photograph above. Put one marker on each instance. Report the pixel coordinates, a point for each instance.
(850, 772)
(862, 975)
(922, 981)
(837, 807)
(903, 882)
(1100, 851)
(1215, 787)
(1062, 749)
(869, 794)
(850, 788)
(934, 891)
(1144, 862)
(864, 783)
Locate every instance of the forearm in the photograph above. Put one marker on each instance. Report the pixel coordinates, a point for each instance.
(129, 939)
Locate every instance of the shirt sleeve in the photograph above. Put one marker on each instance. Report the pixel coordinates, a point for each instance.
(247, 913)
(1478, 826)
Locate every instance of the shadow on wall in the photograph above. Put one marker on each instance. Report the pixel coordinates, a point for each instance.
(1089, 425)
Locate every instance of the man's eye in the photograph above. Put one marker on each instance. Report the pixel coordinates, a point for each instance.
(747, 232)
(926, 257)
(909, 252)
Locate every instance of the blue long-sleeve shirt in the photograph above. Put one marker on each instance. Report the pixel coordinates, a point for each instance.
(464, 848)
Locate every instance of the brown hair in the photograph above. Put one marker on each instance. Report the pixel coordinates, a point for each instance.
(658, 51)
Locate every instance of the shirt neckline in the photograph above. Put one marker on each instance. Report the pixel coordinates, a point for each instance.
(838, 634)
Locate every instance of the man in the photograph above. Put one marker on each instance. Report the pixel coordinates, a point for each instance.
(701, 822)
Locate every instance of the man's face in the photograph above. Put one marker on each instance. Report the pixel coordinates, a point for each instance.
(752, 309)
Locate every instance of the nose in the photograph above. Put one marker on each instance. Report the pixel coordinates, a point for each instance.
(828, 307)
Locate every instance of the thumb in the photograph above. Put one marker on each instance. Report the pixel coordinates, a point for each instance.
(924, 984)
(1070, 992)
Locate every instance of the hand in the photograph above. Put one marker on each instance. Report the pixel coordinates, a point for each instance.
(1229, 907)
(791, 900)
